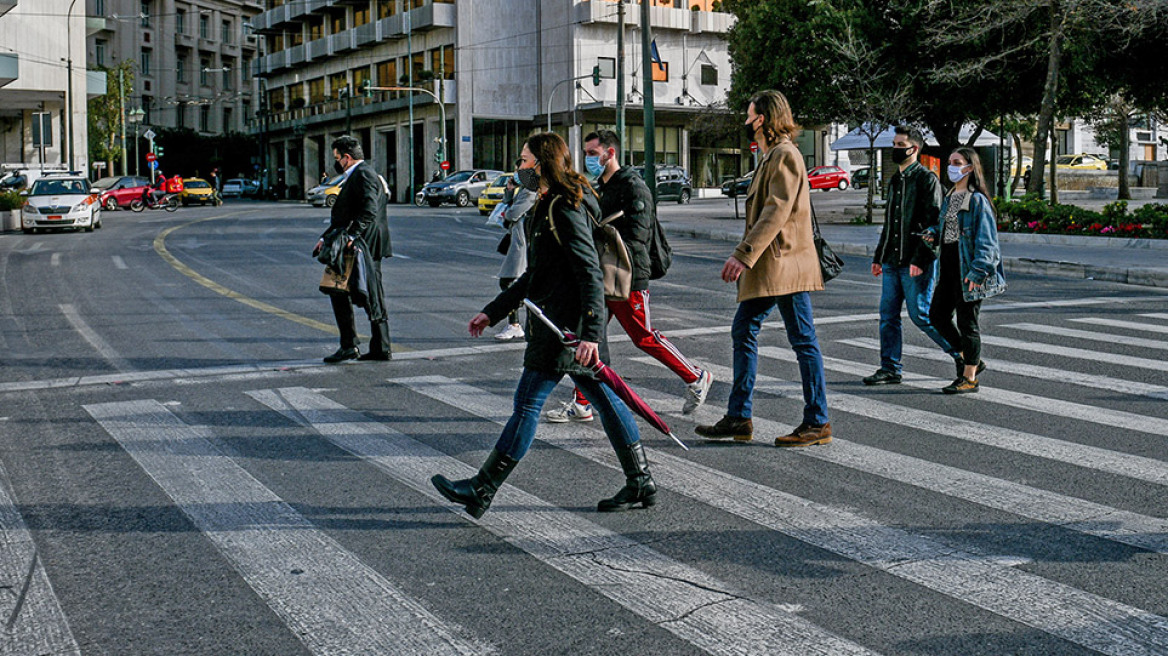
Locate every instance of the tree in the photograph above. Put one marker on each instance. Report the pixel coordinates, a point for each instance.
(105, 115)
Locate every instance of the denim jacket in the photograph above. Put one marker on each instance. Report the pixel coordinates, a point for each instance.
(980, 255)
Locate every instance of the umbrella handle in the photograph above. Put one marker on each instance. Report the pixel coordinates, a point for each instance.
(532, 307)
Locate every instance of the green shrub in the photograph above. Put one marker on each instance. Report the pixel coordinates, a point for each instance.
(10, 200)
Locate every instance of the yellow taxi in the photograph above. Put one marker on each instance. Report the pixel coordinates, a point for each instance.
(326, 192)
(1082, 162)
(493, 194)
(197, 190)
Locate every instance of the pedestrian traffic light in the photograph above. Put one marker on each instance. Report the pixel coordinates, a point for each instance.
(596, 76)
(368, 88)
(158, 150)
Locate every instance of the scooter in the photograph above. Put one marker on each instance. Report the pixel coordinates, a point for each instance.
(169, 202)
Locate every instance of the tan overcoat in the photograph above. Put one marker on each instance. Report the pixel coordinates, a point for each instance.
(777, 245)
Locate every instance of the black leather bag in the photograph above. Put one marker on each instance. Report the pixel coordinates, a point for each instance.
(504, 244)
(829, 263)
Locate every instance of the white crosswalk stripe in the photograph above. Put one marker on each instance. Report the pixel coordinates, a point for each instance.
(333, 602)
(1117, 323)
(1076, 353)
(692, 605)
(1087, 619)
(1109, 338)
(1155, 315)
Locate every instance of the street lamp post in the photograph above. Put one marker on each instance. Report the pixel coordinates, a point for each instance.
(122, 116)
(441, 113)
(135, 117)
(553, 93)
(69, 81)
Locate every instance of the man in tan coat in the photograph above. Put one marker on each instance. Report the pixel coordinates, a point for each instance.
(775, 265)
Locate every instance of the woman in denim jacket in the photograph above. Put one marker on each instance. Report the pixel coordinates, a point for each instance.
(970, 265)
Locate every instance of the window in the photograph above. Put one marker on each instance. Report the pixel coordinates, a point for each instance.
(145, 61)
(276, 43)
(42, 129)
(148, 110)
(226, 127)
(246, 68)
(387, 74)
(228, 74)
(413, 4)
(204, 118)
(99, 52)
(181, 73)
(338, 81)
(276, 100)
(419, 64)
(145, 11)
(442, 62)
(709, 75)
(204, 74)
(296, 38)
(338, 23)
(204, 27)
(180, 115)
(315, 30)
(225, 32)
(360, 76)
(661, 71)
(360, 16)
(316, 90)
(386, 8)
(180, 21)
(99, 7)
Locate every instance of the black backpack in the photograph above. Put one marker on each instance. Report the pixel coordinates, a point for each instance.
(660, 254)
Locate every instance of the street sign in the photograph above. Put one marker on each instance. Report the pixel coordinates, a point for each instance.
(149, 134)
(150, 157)
(754, 146)
(153, 165)
(446, 165)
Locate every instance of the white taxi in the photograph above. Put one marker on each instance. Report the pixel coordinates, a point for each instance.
(61, 201)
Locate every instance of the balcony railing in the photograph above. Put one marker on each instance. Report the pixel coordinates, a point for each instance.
(317, 49)
(342, 41)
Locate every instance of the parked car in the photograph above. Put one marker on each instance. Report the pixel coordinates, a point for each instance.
(860, 177)
(1082, 162)
(462, 188)
(60, 201)
(737, 186)
(493, 194)
(673, 183)
(240, 188)
(829, 177)
(197, 190)
(119, 191)
(326, 192)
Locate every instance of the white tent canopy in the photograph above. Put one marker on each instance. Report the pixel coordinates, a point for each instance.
(858, 139)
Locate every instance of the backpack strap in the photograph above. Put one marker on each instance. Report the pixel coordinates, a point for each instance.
(552, 222)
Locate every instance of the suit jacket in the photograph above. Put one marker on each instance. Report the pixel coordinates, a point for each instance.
(360, 210)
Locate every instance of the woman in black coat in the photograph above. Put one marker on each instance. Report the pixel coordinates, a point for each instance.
(563, 277)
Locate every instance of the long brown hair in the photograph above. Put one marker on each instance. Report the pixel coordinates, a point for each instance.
(778, 121)
(555, 164)
(977, 175)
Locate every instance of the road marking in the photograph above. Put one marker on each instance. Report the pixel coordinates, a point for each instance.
(90, 335)
(1133, 325)
(1076, 353)
(31, 618)
(685, 601)
(1108, 383)
(119, 262)
(1009, 306)
(55, 259)
(1056, 608)
(1040, 404)
(1155, 315)
(1110, 338)
(1143, 531)
(331, 601)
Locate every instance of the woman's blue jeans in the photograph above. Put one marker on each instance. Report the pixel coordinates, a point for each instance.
(530, 396)
(797, 317)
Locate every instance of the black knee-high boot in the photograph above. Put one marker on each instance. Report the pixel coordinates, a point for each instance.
(639, 486)
(477, 491)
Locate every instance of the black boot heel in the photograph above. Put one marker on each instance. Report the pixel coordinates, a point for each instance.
(639, 487)
(477, 492)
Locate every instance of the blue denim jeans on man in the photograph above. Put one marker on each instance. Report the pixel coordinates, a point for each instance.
(530, 396)
(800, 324)
(900, 289)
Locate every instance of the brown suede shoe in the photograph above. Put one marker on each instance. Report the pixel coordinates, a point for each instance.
(806, 435)
(742, 430)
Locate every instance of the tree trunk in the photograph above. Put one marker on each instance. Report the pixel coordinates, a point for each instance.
(1124, 154)
(1017, 164)
(1049, 90)
(873, 178)
(1053, 166)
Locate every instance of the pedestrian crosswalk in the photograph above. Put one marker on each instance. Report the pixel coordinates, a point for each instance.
(335, 600)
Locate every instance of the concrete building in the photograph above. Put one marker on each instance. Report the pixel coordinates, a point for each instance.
(44, 84)
(1149, 140)
(192, 59)
(500, 68)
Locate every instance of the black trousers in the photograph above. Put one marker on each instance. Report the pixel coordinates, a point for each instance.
(504, 283)
(346, 321)
(949, 302)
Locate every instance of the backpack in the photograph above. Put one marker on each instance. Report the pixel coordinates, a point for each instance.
(660, 254)
(615, 262)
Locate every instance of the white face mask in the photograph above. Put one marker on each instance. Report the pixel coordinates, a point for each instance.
(956, 173)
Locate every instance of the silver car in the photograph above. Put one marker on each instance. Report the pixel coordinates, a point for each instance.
(461, 188)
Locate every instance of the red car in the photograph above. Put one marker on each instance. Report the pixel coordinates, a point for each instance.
(829, 177)
(118, 191)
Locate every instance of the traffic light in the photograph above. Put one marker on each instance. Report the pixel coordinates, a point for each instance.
(596, 76)
(158, 150)
(368, 85)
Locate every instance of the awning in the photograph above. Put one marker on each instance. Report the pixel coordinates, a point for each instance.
(858, 140)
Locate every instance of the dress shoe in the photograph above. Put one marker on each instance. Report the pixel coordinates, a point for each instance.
(343, 354)
(806, 435)
(882, 377)
(375, 357)
(742, 430)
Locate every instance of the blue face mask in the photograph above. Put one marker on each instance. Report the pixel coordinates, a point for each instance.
(593, 165)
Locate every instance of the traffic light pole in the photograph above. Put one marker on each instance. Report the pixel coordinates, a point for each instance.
(650, 123)
(441, 111)
(553, 93)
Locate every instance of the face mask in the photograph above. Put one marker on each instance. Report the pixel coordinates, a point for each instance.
(899, 155)
(528, 178)
(956, 173)
(592, 163)
(338, 167)
(748, 129)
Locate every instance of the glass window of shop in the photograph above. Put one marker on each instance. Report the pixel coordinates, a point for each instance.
(667, 143)
(316, 91)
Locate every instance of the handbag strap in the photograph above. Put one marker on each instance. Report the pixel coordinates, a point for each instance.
(814, 219)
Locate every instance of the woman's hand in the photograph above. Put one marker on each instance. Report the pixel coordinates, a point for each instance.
(478, 324)
(732, 269)
(587, 353)
(971, 284)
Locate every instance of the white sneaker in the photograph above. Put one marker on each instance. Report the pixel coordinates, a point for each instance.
(695, 393)
(570, 411)
(512, 331)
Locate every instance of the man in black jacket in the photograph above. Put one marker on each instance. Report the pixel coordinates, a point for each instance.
(907, 262)
(360, 211)
(623, 190)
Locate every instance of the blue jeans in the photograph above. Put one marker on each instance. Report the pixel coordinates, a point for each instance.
(797, 318)
(532, 392)
(900, 289)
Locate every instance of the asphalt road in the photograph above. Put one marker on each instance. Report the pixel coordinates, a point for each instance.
(179, 474)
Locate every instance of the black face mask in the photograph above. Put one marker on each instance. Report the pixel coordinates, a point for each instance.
(338, 167)
(529, 178)
(899, 155)
(748, 130)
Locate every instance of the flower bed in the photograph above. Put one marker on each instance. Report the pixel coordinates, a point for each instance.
(1034, 215)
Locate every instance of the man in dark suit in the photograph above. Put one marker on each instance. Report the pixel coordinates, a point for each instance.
(360, 211)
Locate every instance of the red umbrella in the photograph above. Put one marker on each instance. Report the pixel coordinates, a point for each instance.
(606, 375)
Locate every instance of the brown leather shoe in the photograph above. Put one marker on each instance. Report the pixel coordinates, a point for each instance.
(742, 430)
(806, 435)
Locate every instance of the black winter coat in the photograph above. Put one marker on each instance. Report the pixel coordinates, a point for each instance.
(913, 205)
(626, 191)
(563, 278)
(361, 210)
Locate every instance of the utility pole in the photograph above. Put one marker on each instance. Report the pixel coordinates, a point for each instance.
(122, 114)
(620, 73)
(410, 99)
(647, 79)
(69, 82)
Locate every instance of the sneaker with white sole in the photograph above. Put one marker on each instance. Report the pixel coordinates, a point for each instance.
(570, 411)
(512, 331)
(695, 393)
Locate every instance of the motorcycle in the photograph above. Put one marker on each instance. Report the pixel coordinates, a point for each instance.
(169, 202)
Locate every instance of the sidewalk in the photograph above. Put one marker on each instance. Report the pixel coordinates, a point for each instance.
(1130, 261)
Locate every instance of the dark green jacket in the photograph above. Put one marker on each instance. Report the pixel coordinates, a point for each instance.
(913, 204)
(563, 277)
(627, 192)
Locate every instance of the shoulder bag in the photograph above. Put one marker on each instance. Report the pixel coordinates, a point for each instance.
(829, 263)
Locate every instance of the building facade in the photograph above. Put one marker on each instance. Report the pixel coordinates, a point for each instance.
(491, 72)
(192, 59)
(44, 85)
